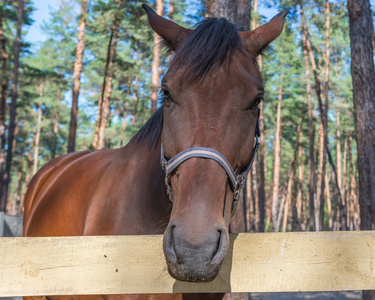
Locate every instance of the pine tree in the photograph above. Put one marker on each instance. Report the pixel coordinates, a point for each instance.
(12, 122)
(155, 75)
(77, 77)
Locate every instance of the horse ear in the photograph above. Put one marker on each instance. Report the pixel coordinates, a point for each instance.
(172, 33)
(259, 38)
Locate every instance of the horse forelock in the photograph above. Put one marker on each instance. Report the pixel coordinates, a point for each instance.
(206, 48)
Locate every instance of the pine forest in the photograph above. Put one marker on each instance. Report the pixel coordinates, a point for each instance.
(94, 81)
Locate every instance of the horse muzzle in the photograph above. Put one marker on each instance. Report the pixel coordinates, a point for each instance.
(195, 259)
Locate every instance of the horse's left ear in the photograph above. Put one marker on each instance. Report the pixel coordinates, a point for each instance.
(259, 38)
(172, 33)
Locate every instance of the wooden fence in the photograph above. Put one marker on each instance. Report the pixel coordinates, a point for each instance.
(260, 262)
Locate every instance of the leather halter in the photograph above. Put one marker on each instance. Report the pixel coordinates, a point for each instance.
(237, 181)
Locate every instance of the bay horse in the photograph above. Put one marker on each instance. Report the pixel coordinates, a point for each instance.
(203, 136)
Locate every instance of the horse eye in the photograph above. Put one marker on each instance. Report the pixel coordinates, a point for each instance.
(166, 94)
(257, 101)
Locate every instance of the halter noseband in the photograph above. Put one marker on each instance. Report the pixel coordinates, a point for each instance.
(237, 181)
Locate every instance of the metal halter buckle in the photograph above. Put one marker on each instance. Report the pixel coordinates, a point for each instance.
(236, 199)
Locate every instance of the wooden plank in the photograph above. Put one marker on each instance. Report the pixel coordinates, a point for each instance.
(266, 262)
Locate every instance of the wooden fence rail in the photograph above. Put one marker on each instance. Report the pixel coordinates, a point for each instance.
(265, 262)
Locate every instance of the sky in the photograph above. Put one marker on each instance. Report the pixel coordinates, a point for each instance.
(42, 13)
(43, 7)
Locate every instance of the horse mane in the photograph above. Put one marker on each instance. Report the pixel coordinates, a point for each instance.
(151, 131)
(205, 48)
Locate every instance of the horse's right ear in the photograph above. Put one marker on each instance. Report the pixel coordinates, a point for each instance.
(172, 33)
(260, 37)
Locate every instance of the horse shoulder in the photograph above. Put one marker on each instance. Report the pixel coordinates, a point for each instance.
(38, 182)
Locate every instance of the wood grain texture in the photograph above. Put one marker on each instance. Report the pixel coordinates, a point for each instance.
(266, 262)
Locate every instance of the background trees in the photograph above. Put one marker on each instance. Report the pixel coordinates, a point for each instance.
(306, 174)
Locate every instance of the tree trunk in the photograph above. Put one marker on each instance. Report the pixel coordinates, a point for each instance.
(277, 151)
(12, 121)
(352, 193)
(16, 130)
(319, 158)
(106, 88)
(77, 77)
(354, 207)
(344, 180)
(136, 101)
(299, 213)
(312, 180)
(37, 139)
(105, 111)
(108, 82)
(254, 19)
(261, 170)
(295, 198)
(171, 9)
(155, 75)
(328, 196)
(319, 96)
(123, 127)
(248, 205)
(19, 186)
(56, 124)
(243, 15)
(255, 196)
(321, 110)
(171, 16)
(338, 160)
(4, 89)
(236, 11)
(223, 9)
(287, 203)
(300, 201)
(28, 175)
(338, 156)
(325, 118)
(338, 147)
(102, 91)
(285, 193)
(363, 77)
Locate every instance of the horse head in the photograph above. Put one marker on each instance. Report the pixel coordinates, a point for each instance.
(211, 94)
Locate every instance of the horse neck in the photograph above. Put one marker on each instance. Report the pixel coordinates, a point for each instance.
(148, 169)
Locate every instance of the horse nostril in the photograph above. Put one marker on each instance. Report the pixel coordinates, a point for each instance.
(217, 246)
(169, 245)
(221, 247)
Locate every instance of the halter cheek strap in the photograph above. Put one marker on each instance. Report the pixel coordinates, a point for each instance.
(237, 181)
